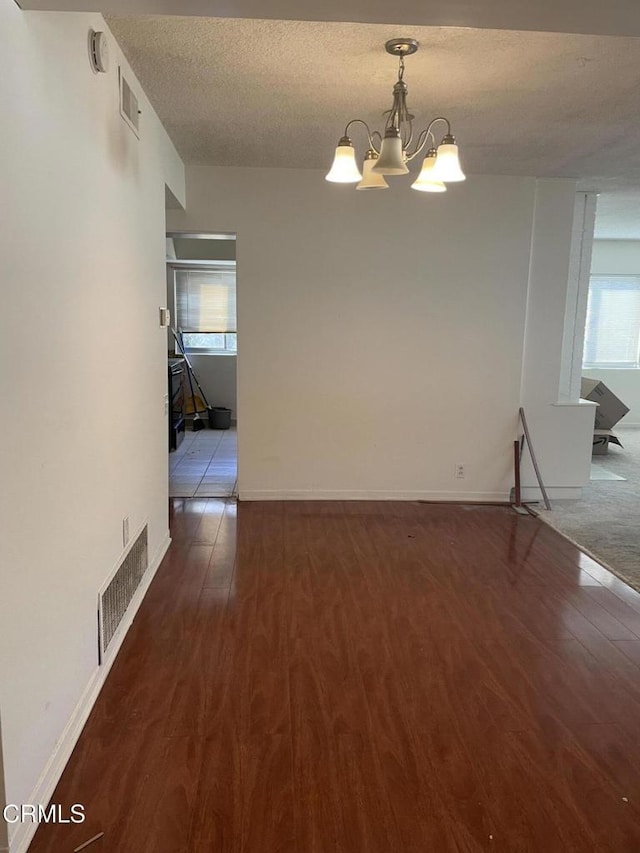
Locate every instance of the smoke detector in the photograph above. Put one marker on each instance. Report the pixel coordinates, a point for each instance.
(98, 51)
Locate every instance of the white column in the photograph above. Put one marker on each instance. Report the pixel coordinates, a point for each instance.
(561, 429)
(577, 296)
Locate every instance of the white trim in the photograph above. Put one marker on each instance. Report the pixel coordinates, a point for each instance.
(225, 353)
(203, 235)
(354, 495)
(214, 266)
(46, 784)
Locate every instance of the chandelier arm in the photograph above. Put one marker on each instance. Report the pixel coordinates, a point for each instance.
(406, 144)
(394, 115)
(369, 134)
(373, 136)
(425, 134)
(422, 141)
(439, 118)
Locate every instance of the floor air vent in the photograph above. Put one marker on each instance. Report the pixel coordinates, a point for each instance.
(115, 599)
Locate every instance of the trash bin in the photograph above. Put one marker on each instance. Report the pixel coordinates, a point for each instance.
(219, 417)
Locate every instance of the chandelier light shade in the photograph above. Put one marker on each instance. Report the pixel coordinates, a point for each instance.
(370, 179)
(391, 160)
(390, 152)
(447, 165)
(425, 182)
(344, 169)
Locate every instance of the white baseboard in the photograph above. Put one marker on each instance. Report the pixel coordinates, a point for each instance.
(347, 495)
(46, 784)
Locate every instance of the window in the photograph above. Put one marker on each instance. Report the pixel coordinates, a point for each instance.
(205, 301)
(612, 337)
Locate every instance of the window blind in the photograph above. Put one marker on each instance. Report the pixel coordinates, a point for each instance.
(206, 300)
(612, 336)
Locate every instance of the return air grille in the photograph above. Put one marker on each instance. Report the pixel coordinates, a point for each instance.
(116, 598)
(129, 105)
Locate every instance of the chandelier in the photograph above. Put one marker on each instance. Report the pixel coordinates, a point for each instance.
(389, 154)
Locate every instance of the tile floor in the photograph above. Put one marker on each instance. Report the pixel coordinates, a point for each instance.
(205, 465)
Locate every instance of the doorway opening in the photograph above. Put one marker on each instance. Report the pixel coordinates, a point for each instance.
(604, 521)
(202, 365)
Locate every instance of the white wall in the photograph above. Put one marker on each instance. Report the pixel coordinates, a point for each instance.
(82, 246)
(217, 375)
(383, 345)
(619, 257)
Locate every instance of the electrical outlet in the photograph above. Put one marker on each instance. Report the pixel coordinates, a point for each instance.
(165, 404)
(125, 530)
(459, 472)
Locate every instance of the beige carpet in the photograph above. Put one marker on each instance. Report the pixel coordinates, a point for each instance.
(606, 522)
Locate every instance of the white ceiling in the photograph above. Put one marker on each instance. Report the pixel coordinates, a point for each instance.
(278, 93)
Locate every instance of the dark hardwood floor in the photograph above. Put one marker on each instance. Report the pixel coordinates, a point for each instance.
(366, 678)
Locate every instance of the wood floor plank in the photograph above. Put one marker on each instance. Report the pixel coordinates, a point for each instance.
(210, 520)
(168, 829)
(619, 609)
(306, 677)
(631, 649)
(610, 626)
(216, 819)
(620, 589)
(268, 813)
(368, 821)
(187, 711)
(223, 558)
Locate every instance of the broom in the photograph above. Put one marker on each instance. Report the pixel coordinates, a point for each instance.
(191, 373)
(197, 423)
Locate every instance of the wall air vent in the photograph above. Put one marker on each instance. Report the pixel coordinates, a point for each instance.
(129, 109)
(117, 595)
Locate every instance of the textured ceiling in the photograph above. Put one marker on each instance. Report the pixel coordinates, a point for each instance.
(278, 93)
